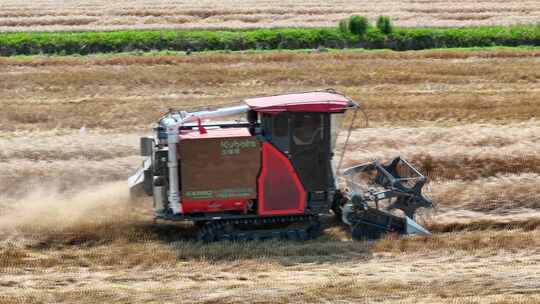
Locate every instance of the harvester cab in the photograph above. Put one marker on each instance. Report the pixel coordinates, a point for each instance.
(272, 174)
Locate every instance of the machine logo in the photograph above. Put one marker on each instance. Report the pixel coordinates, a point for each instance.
(235, 146)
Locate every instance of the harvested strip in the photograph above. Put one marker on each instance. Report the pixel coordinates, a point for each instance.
(467, 152)
(483, 225)
(82, 145)
(264, 57)
(498, 194)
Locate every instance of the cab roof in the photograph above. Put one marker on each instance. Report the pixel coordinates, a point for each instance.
(300, 102)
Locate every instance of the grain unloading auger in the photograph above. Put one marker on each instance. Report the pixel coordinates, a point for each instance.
(272, 175)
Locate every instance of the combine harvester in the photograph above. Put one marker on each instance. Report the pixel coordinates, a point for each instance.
(273, 174)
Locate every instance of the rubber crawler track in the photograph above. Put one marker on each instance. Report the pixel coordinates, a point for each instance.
(302, 227)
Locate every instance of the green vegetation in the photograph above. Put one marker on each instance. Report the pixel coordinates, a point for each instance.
(384, 24)
(344, 26)
(83, 43)
(358, 25)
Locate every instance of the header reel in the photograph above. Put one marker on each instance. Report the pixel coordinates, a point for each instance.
(375, 191)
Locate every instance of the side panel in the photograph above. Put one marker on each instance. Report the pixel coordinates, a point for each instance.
(219, 168)
(218, 174)
(280, 190)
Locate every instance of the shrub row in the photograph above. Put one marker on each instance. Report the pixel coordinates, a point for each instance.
(294, 38)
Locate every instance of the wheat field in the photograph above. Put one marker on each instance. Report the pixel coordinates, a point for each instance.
(52, 15)
(69, 129)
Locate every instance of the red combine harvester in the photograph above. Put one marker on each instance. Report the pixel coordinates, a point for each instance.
(272, 175)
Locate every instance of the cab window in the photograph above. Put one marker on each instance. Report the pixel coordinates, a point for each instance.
(308, 129)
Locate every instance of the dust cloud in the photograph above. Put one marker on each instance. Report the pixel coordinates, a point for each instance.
(49, 210)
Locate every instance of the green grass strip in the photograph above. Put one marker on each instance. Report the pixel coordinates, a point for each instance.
(83, 43)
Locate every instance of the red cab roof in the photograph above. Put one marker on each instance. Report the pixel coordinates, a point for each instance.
(299, 102)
